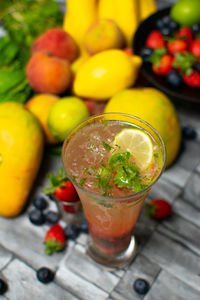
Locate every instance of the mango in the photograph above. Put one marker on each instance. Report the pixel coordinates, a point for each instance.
(21, 151)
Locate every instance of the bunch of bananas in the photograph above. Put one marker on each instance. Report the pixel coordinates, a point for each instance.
(127, 14)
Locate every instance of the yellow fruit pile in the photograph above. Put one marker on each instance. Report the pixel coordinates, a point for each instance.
(127, 14)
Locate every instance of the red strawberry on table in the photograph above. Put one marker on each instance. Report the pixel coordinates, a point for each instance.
(158, 209)
(64, 191)
(55, 239)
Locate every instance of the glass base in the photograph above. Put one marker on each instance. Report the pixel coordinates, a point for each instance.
(112, 262)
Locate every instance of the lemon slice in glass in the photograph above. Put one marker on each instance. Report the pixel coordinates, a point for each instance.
(138, 143)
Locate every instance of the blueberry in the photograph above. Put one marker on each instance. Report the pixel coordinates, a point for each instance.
(173, 25)
(52, 217)
(39, 202)
(36, 217)
(3, 286)
(196, 28)
(145, 54)
(51, 197)
(71, 231)
(166, 20)
(197, 67)
(83, 226)
(174, 78)
(166, 31)
(45, 275)
(141, 286)
(159, 24)
(189, 133)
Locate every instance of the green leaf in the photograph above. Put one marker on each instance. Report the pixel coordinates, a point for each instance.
(156, 56)
(82, 181)
(8, 51)
(185, 61)
(106, 146)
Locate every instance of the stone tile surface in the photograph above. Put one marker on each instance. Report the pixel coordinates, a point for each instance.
(23, 285)
(168, 287)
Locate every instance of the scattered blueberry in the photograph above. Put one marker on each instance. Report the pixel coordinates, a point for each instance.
(45, 275)
(3, 286)
(189, 133)
(174, 78)
(166, 20)
(173, 25)
(36, 217)
(197, 67)
(166, 31)
(52, 217)
(141, 286)
(51, 197)
(39, 202)
(71, 231)
(159, 24)
(83, 226)
(145, 53)
(196, 28)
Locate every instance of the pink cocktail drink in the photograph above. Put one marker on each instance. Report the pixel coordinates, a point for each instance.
(110, 183)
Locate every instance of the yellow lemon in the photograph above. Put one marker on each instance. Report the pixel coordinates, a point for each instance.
(138, 143)
(155, 108)
(105, 74)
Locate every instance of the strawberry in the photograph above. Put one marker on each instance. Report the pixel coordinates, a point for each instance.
(55, 239)
(177, 46)
(192, 79)
(186, 34)
(155, 40)
(63, 190)
(158, 209)
(165, 65)
(195, 48)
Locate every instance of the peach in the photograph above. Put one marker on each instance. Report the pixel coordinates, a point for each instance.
(56, 42)
(48, 74)
(103, 35)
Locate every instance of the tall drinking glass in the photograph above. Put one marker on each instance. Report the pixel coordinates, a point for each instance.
(113, 184)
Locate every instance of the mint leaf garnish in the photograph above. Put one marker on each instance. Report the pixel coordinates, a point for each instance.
(106, 146)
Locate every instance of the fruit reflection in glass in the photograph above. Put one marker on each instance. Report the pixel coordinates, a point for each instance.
(113, 160)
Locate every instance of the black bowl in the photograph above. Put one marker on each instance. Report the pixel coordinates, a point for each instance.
(183, 93)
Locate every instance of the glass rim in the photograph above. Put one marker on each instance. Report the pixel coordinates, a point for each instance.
(109, 198)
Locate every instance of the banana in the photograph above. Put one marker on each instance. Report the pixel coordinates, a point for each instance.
(106, 9)
(127, 18)
(80, 14)
(125, 13)
(147, 7)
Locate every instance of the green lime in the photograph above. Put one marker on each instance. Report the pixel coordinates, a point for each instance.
(65, 114)
(186, 12)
